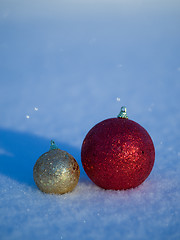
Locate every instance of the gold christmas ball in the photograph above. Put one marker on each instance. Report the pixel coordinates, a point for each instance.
(56, 171)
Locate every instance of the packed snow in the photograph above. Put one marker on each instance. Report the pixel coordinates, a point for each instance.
(65, 66)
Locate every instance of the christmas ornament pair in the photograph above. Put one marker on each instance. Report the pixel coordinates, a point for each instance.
(117, 154)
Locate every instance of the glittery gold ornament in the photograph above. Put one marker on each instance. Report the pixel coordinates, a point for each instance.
(56, 171)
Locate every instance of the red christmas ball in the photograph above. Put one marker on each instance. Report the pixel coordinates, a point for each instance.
(118, 153)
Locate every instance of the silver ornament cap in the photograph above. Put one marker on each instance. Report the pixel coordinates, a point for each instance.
(56, 171)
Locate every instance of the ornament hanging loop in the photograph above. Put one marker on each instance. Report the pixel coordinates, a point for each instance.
(123, 113)
(53, 145)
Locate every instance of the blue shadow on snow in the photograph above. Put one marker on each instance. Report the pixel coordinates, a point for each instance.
(21, 150)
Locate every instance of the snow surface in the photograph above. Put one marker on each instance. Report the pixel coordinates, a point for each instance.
(64, 66)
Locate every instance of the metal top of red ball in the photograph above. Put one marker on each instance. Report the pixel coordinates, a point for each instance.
(123, 113)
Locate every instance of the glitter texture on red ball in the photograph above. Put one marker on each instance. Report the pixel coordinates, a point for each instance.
(118, 153)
